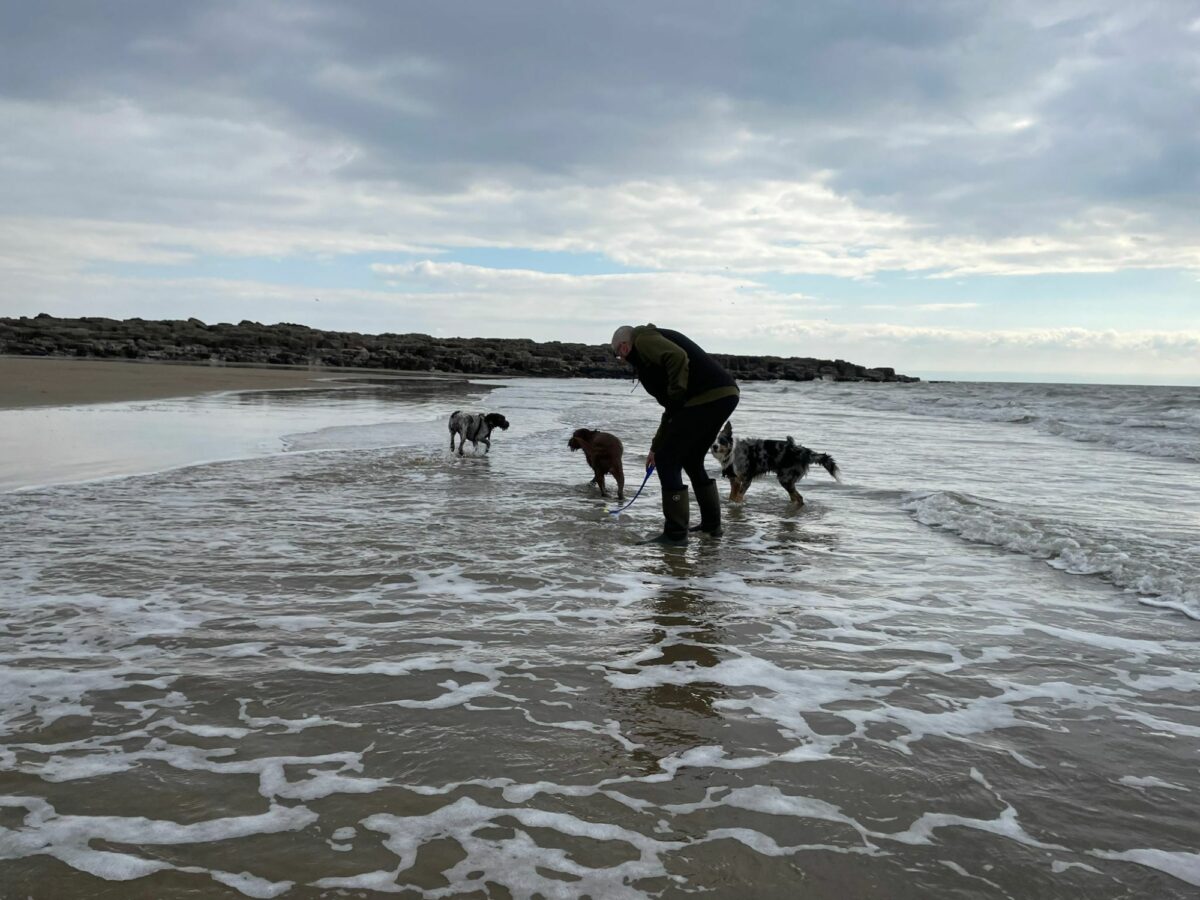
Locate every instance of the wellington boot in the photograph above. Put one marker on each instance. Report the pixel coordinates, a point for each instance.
(675, 515)
(709, 501)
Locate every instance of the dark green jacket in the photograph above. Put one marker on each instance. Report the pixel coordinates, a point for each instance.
(676, 372)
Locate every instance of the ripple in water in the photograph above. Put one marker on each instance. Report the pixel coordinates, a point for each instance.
(374, 667)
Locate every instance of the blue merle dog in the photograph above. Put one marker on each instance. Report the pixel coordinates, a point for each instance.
(745, 459)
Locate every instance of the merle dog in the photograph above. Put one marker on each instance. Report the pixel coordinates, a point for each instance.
(474, 427)
(745, 459)
(603, 452)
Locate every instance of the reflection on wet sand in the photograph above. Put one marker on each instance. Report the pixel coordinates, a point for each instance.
(681, 629)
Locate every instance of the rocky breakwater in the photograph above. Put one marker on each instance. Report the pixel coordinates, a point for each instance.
(191, 340)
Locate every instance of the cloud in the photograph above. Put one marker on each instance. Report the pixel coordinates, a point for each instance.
(723, 313)
(1168, 343)
(510, 300)
(707, 146)
(1091, 352)
(922, 307)
(749, 227)
(990, 138)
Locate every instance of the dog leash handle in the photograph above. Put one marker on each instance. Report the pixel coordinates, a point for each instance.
(621, 509)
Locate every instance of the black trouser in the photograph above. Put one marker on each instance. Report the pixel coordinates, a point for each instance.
(685, 441)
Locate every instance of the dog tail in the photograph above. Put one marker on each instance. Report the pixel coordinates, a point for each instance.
(829, 466)
(824, 460)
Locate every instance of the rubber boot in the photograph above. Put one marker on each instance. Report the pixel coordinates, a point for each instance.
(709, 501)
(675, 515)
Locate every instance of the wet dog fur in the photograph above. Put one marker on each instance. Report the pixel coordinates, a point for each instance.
(603, 452)
(476, 428)
(744, 459)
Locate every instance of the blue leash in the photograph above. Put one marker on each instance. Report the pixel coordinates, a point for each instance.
(621, 509)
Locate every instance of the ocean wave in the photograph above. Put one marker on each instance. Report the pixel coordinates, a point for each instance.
(1162, 422)
(1148, 438)
(1160, 575)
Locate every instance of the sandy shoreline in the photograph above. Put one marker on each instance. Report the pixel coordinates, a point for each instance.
(27, 381)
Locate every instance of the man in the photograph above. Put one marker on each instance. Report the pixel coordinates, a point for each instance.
(697, 396)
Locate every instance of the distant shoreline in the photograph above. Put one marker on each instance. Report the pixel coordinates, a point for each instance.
(191, 340)
(33, 381)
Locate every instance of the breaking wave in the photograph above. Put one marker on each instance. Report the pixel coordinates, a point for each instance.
(1163, 577)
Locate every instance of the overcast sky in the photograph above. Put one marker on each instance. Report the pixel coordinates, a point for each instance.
(943, 187)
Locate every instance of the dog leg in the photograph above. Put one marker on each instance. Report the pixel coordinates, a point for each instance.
(618, 475)
(600, 482)
(737, 490)
(790, 487)
(487, 445)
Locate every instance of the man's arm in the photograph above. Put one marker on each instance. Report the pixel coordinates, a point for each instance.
(673, 358)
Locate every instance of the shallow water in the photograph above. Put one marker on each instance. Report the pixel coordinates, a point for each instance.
(366, 665)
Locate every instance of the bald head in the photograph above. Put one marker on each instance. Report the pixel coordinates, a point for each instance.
(622, 341)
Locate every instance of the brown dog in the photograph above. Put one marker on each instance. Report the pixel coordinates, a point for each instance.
(603, 452)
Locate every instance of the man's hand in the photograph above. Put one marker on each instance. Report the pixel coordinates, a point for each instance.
(649, 459)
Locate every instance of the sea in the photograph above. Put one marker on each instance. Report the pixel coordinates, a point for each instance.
(286, 644)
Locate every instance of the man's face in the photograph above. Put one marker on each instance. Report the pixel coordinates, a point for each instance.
(623, 348)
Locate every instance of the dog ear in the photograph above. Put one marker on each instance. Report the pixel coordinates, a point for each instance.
(728, 429)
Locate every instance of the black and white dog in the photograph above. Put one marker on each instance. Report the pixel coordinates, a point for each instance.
(745, 459)
(476, 428)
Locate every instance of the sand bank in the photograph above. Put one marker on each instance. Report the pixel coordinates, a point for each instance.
(54, 381)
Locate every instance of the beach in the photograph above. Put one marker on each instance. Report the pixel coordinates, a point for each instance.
(27, 381)
(283, 643)
(68, 420)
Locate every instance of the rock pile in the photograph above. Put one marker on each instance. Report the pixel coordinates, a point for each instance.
(191, 340)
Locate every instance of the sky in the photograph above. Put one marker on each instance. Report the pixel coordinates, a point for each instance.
(1006, 190)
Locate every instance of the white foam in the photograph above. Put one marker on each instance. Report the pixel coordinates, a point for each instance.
(516, 862)
(67, 838)
(955, 867)
(51, 694)
(212, 731)
(1178, 864)
(245, 883)
(1151, 782)
(609, 727)
(1159, 725)
(289, 726)
(1059, 866)
(772, 801)
(1165, 580)
(382, 882)
(454, 693)
(1005, 825)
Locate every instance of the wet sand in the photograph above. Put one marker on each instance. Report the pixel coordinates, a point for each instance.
(342, 661)
(55, 381)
